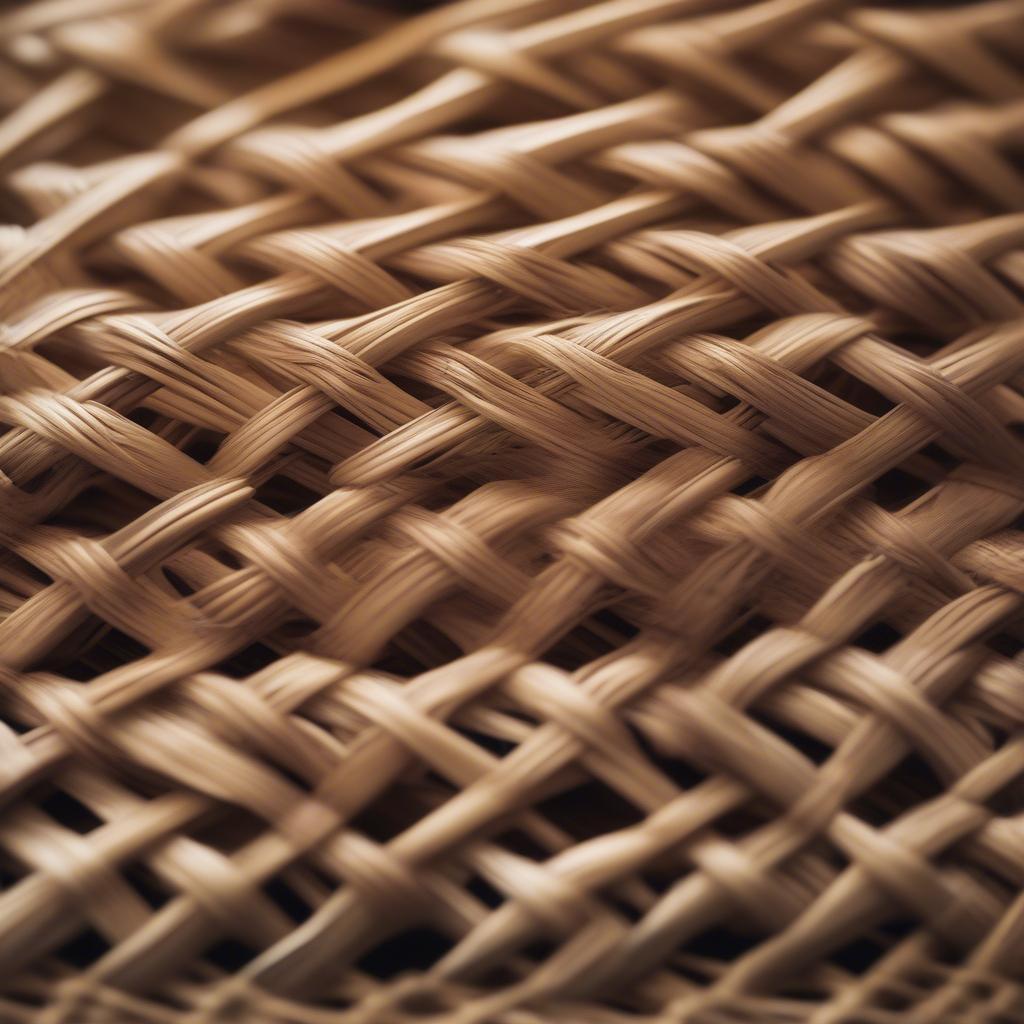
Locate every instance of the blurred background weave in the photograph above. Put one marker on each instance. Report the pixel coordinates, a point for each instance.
(511, 511)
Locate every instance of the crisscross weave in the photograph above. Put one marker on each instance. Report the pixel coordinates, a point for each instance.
(511, 513)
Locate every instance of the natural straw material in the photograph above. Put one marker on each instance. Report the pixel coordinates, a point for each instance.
(510, 514)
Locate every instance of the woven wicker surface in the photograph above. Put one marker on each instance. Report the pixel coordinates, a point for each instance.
(510, 513)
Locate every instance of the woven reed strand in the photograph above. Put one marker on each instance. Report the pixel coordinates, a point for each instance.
(511, 514)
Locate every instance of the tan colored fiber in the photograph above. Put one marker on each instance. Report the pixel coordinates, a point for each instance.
(511, 513)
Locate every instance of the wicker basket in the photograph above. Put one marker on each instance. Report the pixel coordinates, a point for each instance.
(510, 513)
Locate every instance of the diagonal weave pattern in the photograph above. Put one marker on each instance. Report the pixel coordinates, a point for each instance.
(511, 514)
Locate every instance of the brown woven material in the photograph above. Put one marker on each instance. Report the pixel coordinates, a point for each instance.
(510, 514)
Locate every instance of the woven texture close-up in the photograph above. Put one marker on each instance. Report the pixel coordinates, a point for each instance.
(511, 511)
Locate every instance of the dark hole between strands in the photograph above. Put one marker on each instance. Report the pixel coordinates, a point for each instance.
(417, 949)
